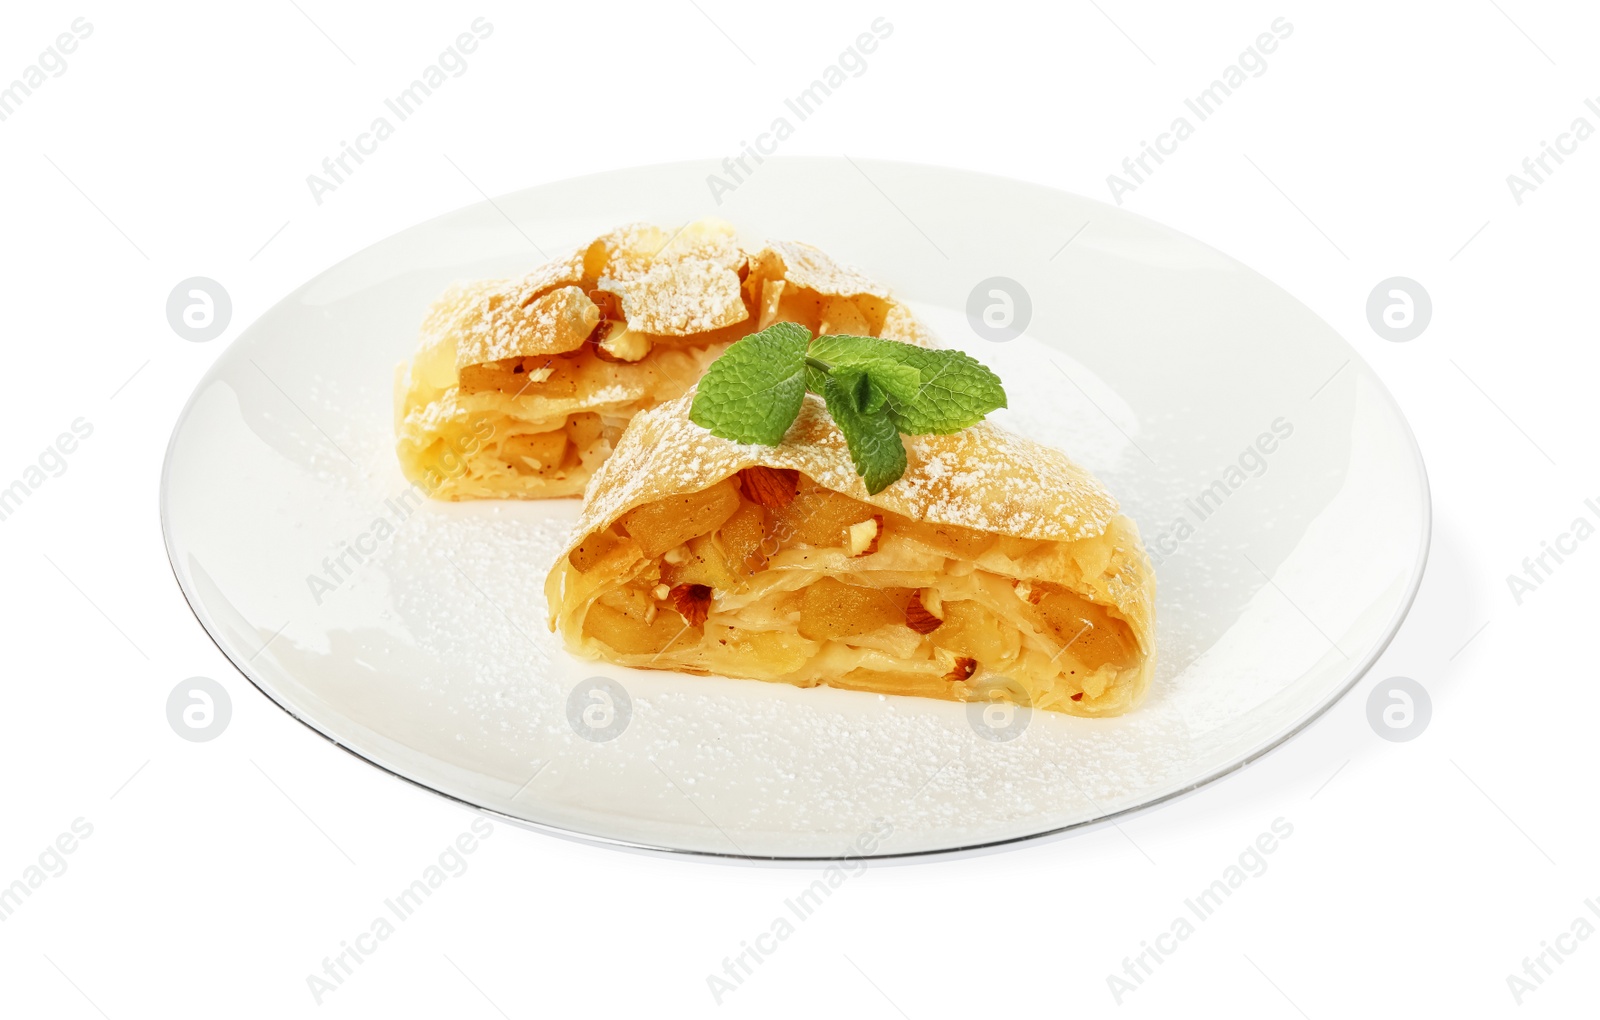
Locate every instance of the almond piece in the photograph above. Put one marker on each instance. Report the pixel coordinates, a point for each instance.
(918, 617)
(622, 344)
(965, 666)
(862, 539)
(692, 601)
(773, 488)
(602, 329)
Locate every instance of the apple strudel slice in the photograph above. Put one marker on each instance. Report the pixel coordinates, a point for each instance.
(994, 567)
(521, 388)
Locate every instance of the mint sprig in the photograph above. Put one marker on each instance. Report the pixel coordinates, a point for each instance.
(875, 390)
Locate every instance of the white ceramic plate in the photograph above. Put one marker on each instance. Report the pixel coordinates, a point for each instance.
(1154, 360)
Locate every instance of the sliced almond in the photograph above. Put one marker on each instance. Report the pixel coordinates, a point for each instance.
(773, 488)
(861, 539)
(921, 618)
(965, 666)
(693, 602)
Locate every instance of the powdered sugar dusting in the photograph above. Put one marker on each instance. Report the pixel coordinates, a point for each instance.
(627, 252)
(497, 328)
(810, 267)
(563, 271)
(982, 477)
(681, 297)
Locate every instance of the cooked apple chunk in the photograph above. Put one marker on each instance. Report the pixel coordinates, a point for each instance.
(668, 523)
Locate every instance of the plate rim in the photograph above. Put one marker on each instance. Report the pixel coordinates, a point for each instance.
(1357, 672)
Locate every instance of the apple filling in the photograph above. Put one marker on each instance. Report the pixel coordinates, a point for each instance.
(769, 575)
(549, 418)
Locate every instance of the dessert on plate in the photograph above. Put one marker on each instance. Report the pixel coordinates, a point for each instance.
(784, 477)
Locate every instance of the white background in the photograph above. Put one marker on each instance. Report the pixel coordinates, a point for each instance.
(1377, 143)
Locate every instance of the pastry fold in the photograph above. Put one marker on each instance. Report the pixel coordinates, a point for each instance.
(521, 388)
(995, 567)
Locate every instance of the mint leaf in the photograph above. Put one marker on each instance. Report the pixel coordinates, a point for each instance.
(928, 391)
(890, 375)
(865, 395)
(875, 389)
(753, 392)
(871, 435)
